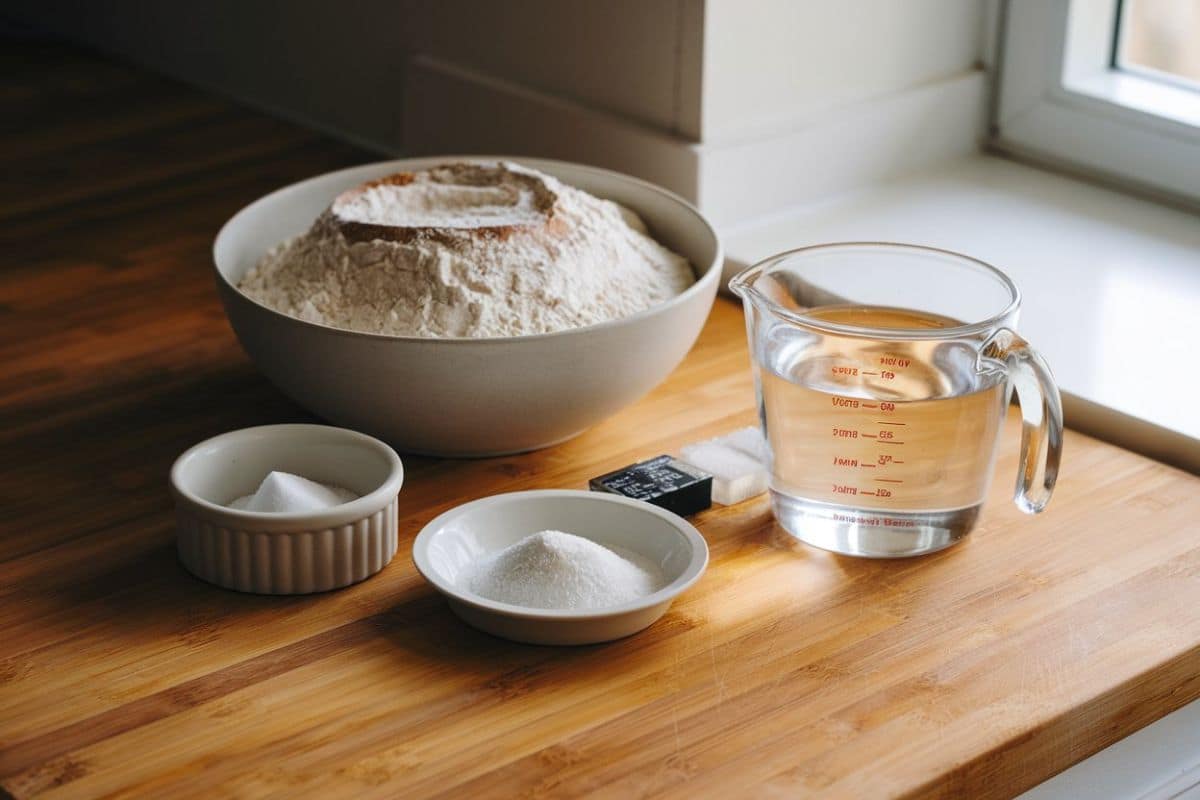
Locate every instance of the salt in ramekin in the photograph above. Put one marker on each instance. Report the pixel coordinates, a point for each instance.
(286, 553)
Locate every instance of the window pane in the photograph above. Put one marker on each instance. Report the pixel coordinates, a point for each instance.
(1162, 35)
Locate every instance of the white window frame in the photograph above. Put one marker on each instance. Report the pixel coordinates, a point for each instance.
(1060, 100)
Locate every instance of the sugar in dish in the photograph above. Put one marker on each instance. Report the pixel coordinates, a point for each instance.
(557, 570)
(464, 543)
(283, 493)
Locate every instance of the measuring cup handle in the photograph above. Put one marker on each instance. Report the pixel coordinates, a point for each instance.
(1041, 415)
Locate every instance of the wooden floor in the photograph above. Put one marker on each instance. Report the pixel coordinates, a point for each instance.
(785, 672)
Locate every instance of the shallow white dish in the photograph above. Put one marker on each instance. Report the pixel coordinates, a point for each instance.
(467, 397)
(292, 553)
(471, 531)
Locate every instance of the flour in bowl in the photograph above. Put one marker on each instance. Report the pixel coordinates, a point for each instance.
(468, 250)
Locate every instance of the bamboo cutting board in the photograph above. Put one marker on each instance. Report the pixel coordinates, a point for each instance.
(786, 671)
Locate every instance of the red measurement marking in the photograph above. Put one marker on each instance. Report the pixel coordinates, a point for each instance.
(881, 422)
(891, 441)
(889, 480)
(870, 436)
(870, 405)
(870, 373)
(898, 461)
(864, 491)
(867, 466)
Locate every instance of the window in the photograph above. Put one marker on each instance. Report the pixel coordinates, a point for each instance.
(1160, 39)
(1110, 86)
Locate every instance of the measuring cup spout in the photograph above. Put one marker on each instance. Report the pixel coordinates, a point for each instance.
(742, 284)
(781, 294)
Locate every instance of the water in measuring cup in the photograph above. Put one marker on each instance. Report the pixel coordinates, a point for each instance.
(880, 448)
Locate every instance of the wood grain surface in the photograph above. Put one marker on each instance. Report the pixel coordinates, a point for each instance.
(786, 671)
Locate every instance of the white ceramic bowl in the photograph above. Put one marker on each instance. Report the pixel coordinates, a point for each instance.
(292, 553)
(472, 531)
(467, 397)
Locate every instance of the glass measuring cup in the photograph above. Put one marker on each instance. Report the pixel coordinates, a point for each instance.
(883, 374)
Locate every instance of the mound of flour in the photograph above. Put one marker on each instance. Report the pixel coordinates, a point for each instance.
(436, 261)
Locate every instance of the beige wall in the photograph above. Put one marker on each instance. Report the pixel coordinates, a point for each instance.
(341, 66)
(770, 65)
(636, 59)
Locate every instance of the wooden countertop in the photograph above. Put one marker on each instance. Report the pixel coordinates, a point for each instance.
(978, 672)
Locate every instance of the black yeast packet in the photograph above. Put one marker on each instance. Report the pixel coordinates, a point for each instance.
(662, 481)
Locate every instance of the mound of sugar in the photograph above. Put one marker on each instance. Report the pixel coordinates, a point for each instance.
(553, 569)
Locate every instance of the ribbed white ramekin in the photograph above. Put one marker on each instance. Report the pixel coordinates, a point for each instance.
(294, 553)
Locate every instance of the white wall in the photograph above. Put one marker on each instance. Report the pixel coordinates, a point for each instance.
(772, 65)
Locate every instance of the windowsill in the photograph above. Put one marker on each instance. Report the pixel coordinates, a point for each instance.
(1110, 282)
